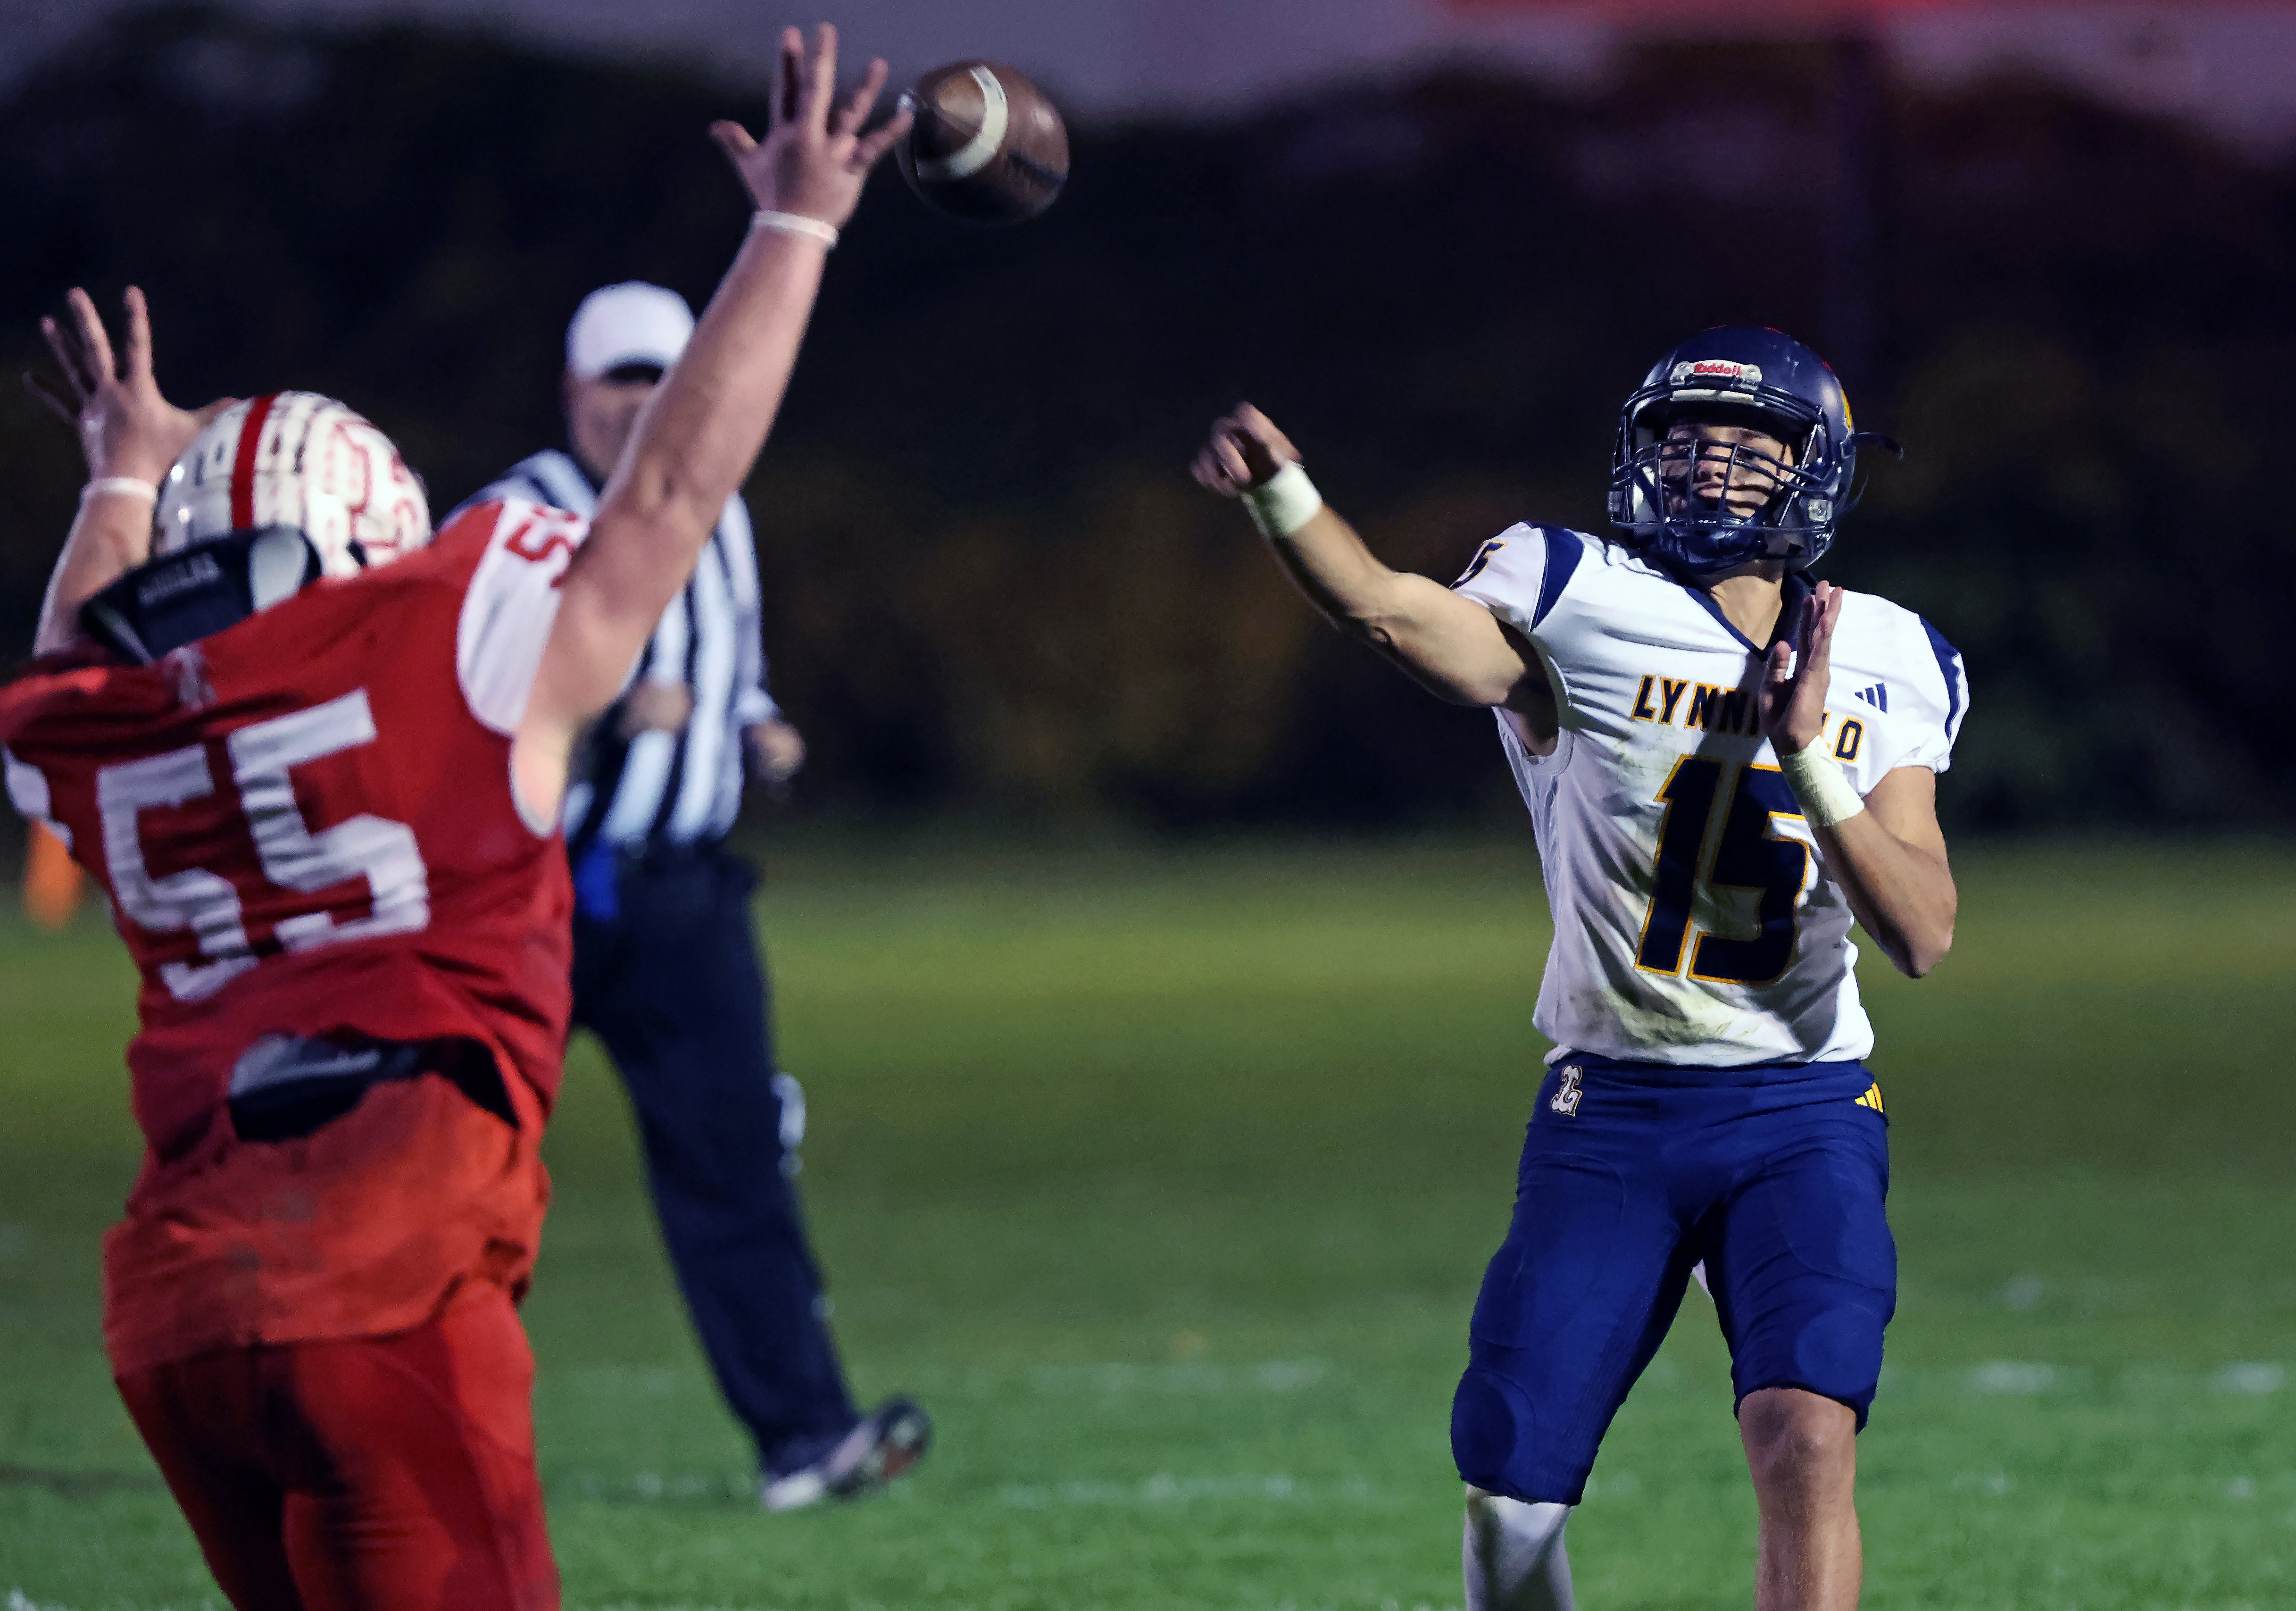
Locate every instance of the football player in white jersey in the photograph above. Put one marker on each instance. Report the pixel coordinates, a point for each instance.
(1727, 763)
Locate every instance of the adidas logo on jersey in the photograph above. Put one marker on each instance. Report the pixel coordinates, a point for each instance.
(1878, 696)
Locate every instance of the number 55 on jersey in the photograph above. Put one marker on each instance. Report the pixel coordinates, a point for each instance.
(302, 784)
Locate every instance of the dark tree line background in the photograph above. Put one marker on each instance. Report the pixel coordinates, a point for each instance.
(990, 586)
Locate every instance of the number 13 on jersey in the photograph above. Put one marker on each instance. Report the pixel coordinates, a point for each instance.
(1748, 853)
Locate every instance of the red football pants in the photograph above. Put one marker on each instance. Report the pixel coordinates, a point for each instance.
(372, 1474)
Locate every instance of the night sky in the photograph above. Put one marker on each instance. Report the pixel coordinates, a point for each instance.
(2231, 65)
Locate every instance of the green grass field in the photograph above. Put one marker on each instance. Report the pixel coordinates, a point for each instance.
(1167, 1178)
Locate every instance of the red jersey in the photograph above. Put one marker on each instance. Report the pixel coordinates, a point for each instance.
(307, 826)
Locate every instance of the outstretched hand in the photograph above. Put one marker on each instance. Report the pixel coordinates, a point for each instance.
(1795, 685)
(126, 427)
(1245, 451)
(813, 158)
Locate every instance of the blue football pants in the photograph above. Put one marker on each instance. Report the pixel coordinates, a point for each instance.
(1633, 1173)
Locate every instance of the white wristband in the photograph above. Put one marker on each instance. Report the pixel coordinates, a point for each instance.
(119, 486)
(1827, 798)
(1284, 502)
(795, 224)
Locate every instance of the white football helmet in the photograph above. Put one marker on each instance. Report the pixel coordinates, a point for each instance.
(299, 460)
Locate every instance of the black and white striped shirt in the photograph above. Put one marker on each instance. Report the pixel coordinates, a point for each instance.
(661, 787)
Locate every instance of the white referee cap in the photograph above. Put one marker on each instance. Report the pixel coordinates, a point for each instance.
(632, 323)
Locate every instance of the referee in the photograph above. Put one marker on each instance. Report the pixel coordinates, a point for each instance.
(666, 972)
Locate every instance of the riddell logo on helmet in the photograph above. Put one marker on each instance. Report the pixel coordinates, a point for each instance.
(1716, 369)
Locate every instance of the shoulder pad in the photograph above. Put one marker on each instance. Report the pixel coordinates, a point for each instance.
(196, 591)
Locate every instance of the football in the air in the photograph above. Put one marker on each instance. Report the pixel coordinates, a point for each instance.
(986, 145)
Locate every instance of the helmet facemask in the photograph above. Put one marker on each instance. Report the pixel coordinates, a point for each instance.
(1713, 503)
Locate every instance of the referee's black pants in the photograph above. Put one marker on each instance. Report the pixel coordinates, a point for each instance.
(673, 982)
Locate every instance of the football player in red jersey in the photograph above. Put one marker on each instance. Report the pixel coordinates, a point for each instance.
(316, 758)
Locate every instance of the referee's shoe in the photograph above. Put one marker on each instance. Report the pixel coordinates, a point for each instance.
(890, 1440)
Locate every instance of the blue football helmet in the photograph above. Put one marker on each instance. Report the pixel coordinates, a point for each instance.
(1735, 375)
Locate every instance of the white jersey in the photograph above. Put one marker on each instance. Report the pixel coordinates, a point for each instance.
(1694, 921)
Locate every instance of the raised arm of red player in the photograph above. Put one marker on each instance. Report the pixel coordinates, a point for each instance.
(127, 431)
(704, 427)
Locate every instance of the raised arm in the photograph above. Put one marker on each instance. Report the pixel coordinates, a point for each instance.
(1886, 849)
(129, 434)
(705, 425)
(1448, 644)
